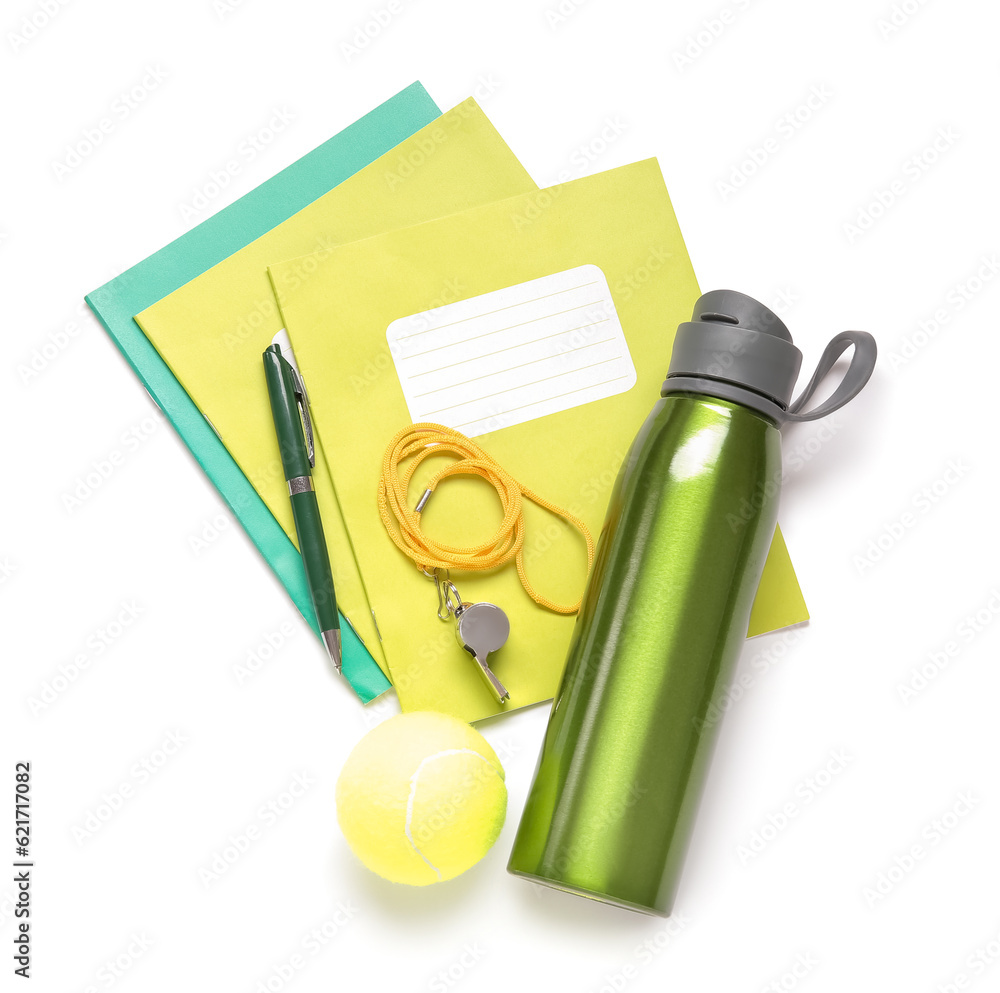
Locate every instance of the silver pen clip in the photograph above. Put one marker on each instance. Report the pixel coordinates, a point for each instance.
(301, 394)
(302, 399)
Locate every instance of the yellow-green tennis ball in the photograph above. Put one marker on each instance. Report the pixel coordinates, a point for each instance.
(421, 798)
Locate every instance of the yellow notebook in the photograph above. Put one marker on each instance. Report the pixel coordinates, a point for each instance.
(541, 325)
(212, 331)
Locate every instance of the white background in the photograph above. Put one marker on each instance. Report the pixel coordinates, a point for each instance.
(910, 464)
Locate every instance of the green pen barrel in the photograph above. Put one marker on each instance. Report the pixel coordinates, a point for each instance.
(316, 559)
(281, 389)
(665, 615)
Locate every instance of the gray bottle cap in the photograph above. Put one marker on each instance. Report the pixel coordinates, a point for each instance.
(737, 349)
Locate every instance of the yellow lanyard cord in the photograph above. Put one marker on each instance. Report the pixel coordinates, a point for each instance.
(420, 441)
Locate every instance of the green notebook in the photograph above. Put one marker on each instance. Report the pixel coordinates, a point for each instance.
(116, 303)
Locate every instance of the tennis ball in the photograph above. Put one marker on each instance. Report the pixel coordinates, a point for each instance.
(421, 798)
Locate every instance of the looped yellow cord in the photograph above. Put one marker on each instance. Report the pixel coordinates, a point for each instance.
(422, 440)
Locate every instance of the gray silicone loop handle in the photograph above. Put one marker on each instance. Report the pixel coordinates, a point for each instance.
(858, 373)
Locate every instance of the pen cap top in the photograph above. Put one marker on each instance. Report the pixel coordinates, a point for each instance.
(291, 421)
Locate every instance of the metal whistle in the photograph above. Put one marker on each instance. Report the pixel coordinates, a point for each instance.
(482, 628)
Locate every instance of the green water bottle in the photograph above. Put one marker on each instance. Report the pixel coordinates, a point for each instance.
(665, 614)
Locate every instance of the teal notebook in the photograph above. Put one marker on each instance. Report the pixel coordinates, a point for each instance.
(204, 246)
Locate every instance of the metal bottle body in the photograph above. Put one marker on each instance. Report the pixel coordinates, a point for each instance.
(664, 617)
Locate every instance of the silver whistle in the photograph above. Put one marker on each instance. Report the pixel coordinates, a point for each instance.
(483, 628)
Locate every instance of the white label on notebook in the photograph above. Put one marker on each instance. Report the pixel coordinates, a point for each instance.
(514, 354)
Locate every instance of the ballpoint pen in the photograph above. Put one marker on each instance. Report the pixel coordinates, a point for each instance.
(293, 427)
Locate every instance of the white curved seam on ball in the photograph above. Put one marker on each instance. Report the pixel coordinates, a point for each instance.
(413, 795)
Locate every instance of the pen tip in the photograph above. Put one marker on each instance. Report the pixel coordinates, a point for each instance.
(331, 639)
